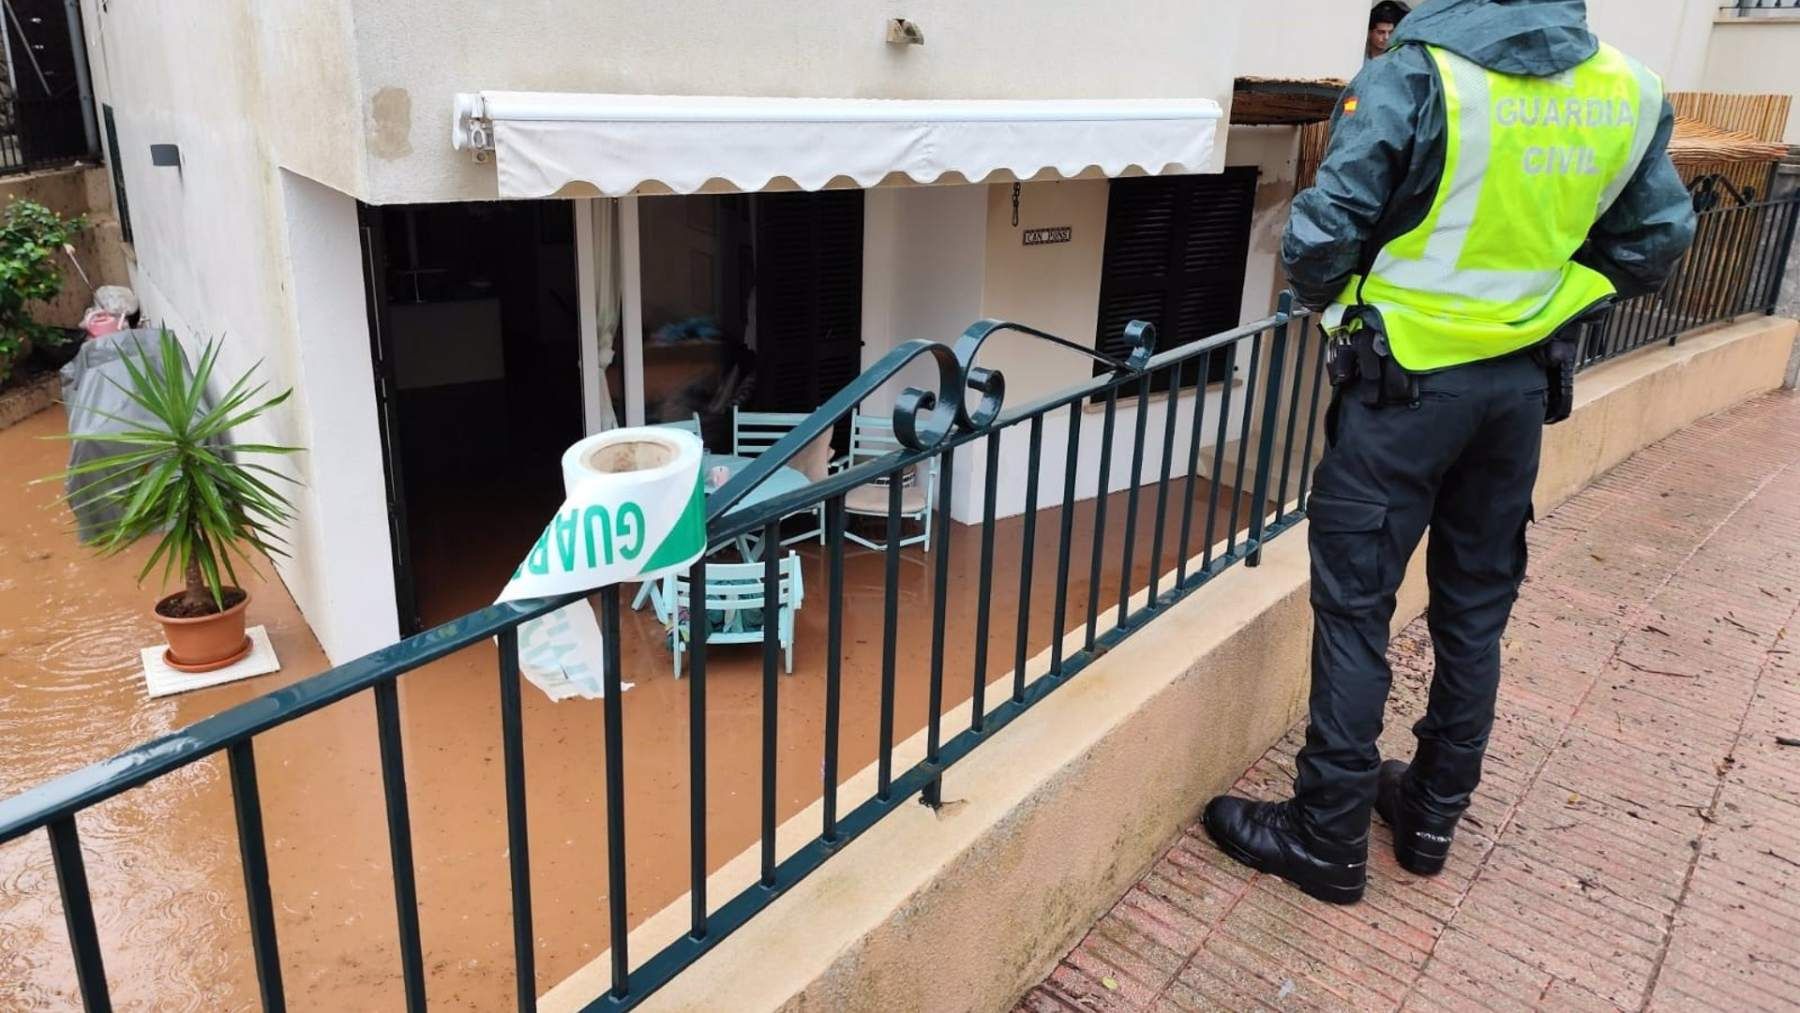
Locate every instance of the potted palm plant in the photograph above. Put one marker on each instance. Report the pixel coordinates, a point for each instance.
(179, 479)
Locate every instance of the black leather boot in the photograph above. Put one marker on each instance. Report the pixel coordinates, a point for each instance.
(1268, 837)
(1421, 839)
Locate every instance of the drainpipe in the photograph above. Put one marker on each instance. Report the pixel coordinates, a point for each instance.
(78, 46)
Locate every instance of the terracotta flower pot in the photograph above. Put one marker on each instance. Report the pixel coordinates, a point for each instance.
(205, 643)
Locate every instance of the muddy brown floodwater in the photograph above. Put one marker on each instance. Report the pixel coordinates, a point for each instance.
(162, 859)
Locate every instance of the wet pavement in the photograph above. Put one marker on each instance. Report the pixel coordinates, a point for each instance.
(162, 859)
(1635, 843)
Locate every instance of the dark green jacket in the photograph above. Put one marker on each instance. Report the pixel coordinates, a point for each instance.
(1384, 163)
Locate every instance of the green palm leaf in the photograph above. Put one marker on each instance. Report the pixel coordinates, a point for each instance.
(177, 482)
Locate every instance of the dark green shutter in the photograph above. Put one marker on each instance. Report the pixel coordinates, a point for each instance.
(118, 173)
(1176, 247)
(808, 297)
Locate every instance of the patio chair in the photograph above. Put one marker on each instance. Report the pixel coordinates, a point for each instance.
(873, 437)
(735, 606)
(753, 433)
(689, 425)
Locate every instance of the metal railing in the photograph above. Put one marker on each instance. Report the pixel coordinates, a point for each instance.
(1735, 267)
(1753, 6)
(1280, 384)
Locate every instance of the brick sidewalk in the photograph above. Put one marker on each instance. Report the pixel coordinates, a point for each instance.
(1636, 840)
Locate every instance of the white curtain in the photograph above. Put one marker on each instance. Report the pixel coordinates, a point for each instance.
(608, 308)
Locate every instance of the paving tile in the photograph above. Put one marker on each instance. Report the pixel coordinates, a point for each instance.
(1632, 845)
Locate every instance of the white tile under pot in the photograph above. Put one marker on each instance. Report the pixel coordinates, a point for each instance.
(161, 680)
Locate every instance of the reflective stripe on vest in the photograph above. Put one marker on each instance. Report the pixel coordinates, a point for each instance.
(1530, 164)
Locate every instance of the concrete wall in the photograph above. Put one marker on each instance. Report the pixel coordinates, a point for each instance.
(924, 262)
(1757, 55)
(236, 86)
(965, 907)
(99, 248)
(413, 55)
(314, 108)
(1324, 38)
(346, 575)
(1057, 289)
(1054, 288)
(1303, 39)
(1669, 36)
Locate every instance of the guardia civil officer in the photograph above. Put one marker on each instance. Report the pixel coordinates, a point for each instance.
(1492, 181)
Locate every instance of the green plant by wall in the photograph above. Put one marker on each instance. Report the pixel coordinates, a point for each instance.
(31, 240)
(178, 481)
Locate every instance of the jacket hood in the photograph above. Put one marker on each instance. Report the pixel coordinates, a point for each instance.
(1536, 38)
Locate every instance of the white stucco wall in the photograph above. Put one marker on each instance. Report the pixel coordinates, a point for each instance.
(415, 54)
(924, 251)
(1669, 36)
(1057, 289)
(346, 577)
(1303, 39)
(287, 110)
(211, 258)
(1054, 287)
(1758, 55)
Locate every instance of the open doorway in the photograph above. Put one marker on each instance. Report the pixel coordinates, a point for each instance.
(475, 324)
(751, 301)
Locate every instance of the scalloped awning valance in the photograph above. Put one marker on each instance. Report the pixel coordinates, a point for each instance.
(544, 141)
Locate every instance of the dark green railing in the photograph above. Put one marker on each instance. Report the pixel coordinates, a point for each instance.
(1735, 266)
(1275, 454)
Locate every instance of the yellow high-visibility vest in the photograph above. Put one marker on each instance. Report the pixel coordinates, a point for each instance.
(1530, 164)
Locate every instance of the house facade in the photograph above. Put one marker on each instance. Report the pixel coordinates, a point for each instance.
(353, 205)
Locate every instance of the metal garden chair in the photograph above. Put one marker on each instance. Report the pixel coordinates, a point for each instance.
(736, 608)
(873, 437)
(753, 433)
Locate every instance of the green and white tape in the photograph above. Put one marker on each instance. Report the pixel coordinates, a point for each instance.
(634, 510)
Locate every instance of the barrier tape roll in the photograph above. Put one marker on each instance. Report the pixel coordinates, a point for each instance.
(634, 510)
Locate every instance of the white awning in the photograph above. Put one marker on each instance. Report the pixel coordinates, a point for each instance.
(543, 141)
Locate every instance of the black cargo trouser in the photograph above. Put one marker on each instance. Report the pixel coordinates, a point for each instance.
(1461, 461)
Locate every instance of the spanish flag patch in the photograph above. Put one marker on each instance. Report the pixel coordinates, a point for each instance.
(1350, 106)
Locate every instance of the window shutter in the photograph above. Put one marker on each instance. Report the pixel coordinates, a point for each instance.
(118, 173)
(1176, 247)
(808, 297)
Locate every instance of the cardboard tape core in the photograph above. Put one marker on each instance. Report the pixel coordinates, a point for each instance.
(628, 456)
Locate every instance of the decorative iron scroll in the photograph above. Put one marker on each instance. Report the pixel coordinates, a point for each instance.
(923, 419)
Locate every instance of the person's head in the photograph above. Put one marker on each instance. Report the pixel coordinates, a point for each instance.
(1382, 20)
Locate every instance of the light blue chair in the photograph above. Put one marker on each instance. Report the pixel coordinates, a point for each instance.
(687, 425)
(734, 601)
(753, 433)
(872, 437)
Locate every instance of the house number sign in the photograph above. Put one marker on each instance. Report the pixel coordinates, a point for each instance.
(1044, 237)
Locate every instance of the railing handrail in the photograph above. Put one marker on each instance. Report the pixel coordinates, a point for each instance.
(927, 424)
(732, 523)
(38, 806)
(42, 804)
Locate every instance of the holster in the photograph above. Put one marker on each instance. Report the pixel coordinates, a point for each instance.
(1360, 362)
(1558, 355)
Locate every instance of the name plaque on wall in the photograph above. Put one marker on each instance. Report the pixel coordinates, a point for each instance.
(1053, 234)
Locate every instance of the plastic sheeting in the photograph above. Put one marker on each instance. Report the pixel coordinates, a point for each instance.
(93, 388)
